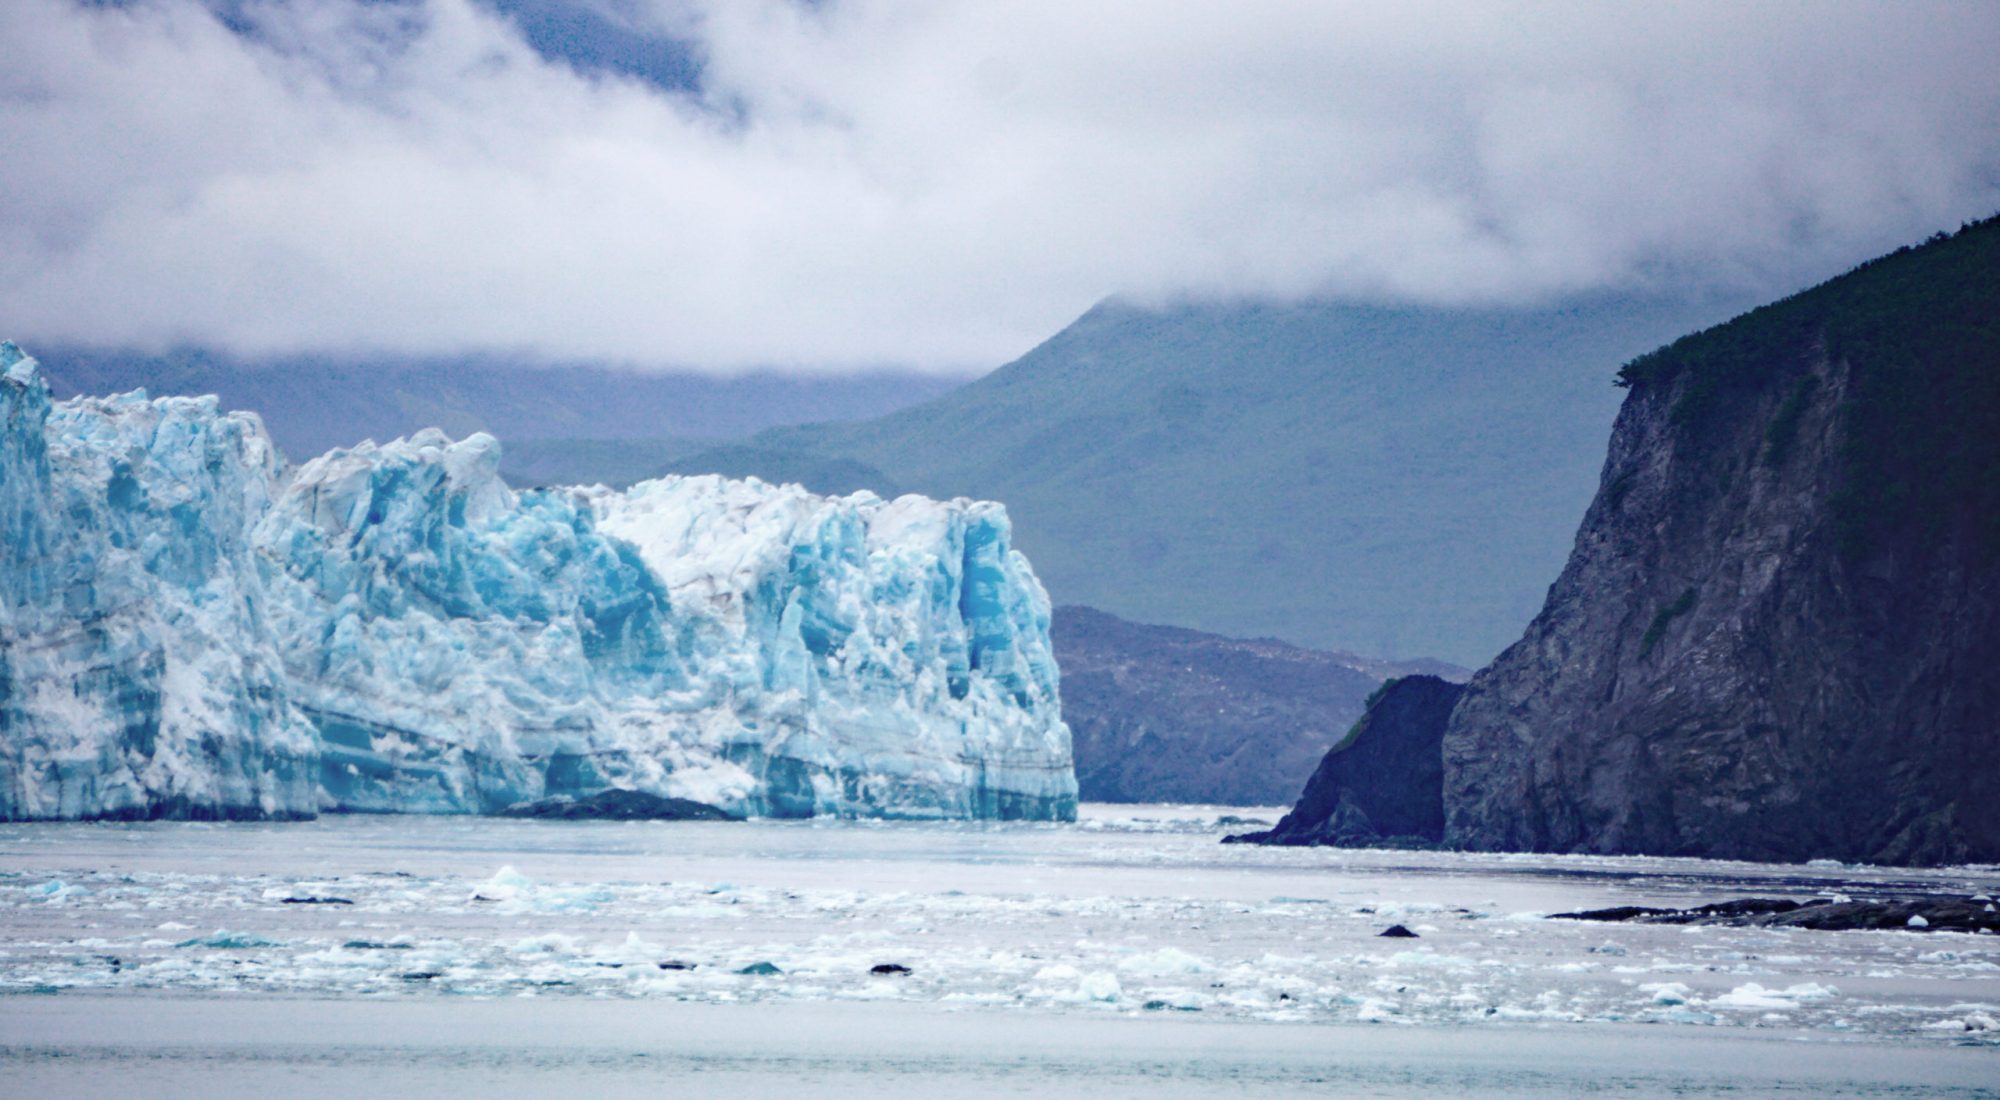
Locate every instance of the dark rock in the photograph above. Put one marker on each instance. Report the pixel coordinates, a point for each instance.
(620, 805)
(421, 975)
(1952, 915)
(1383, 784)
(676, 964)
(1617, 913)
(888, 968)
(318, 901)
(1162, 714)
(1718, 912)
(1776, 634)
(372, 945)
(760, 969)
(1397, 932)
(1929, 914)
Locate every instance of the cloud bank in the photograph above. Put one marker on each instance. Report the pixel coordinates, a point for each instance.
(943, 183)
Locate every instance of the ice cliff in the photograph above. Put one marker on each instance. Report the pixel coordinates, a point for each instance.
(190, 627)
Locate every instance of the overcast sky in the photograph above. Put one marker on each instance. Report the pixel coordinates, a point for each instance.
(939, 184)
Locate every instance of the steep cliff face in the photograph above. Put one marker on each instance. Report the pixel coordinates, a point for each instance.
(1384, 782)
(1778, 633)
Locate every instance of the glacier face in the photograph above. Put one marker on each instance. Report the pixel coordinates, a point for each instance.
(138, 673)
(190, 626)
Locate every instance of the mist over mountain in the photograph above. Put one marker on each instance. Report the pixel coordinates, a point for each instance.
(312, 404)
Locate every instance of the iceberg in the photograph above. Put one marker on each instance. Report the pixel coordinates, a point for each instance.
(189, 626)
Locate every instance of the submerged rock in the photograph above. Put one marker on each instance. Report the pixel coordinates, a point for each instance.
(619, 805)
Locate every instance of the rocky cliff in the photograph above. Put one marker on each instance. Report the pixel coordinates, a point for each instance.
(1383, 783)
(1777, 634)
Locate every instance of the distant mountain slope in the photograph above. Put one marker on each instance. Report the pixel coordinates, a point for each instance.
(313, 404)
(1391, 481)
(1161, 714)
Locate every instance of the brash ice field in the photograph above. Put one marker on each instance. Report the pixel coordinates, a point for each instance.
(971, 955)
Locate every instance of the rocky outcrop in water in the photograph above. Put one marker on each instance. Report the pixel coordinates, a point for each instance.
(1929, 914)
(1383, 783)
(619, 805)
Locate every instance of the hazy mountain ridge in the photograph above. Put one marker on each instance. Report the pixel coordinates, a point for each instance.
(1163, 714)
(312, 404)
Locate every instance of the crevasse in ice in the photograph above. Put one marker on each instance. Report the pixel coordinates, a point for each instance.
(187, 626)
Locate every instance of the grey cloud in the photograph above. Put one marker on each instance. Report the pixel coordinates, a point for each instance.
(942, 184)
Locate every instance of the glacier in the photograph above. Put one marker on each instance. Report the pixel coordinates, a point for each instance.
(192, 627)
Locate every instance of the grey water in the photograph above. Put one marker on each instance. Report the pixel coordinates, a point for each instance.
(1127, 954)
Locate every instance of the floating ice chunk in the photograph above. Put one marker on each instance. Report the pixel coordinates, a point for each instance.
(1917, 921)
(1165, 961)
(1752, 995)
(1667, 993)
(550, 943)
(1974, 1021)
(1100, 986)
(1374, 1010)
(507, 882)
